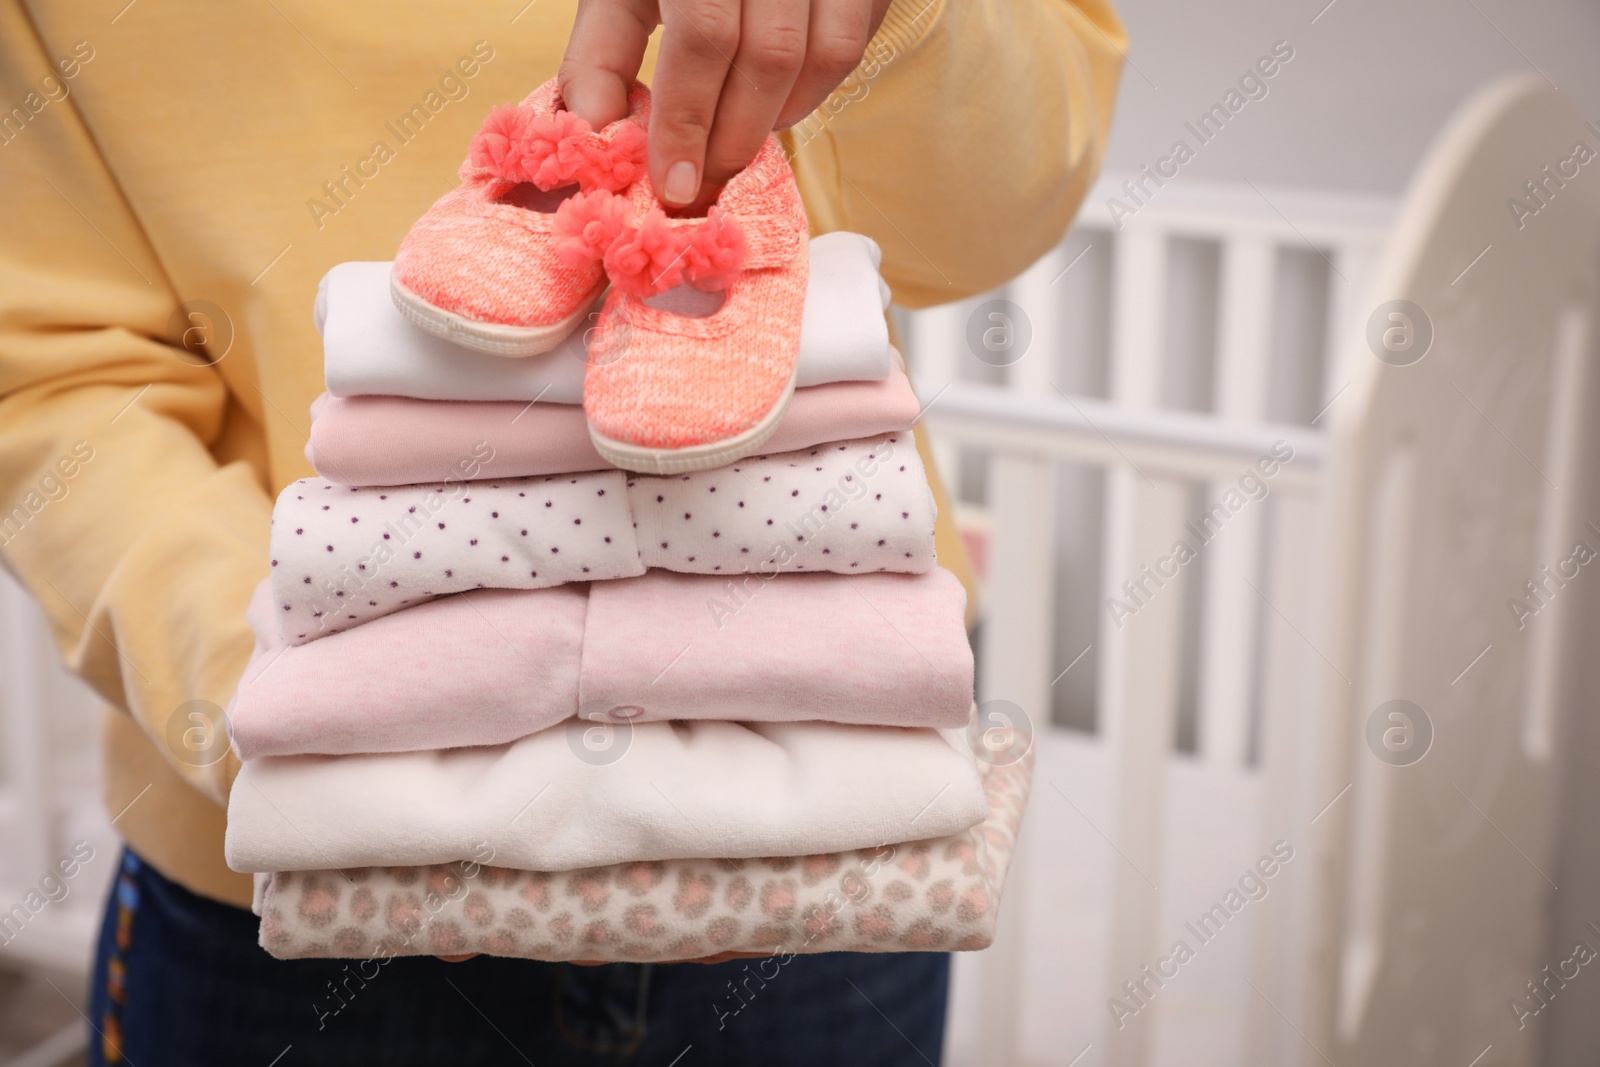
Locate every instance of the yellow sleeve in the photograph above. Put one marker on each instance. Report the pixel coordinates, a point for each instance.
(966, 139)
(114, 512)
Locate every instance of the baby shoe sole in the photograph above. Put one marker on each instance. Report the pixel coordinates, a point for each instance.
(695, 457)
(494, 338)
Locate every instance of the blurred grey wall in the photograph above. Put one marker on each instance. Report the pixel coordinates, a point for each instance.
(1369, 84)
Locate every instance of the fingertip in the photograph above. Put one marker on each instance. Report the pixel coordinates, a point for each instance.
(597, 97)
(602, 57)
(682, 184)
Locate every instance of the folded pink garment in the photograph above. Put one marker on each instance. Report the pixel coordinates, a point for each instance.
(888, 649)
(387, 440)
(934, 895)
(490, 666)
(479, 668)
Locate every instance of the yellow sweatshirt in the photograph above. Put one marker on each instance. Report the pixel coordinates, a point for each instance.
(183, 172)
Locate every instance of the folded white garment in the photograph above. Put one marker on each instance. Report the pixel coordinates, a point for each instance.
(370, 349)
(844, 336)
(587, 794)
(345, 554)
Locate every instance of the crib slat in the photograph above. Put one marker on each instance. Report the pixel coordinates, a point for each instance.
(1017, 642)
(1139, 679)
(1284, 936)
(1228, 639)
(1142, 666)
(1139, 280)
(1351, 284)
(1245, 328)
(937, 345)
(1015, 653)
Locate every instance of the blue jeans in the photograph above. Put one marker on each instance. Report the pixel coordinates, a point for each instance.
(179, 980)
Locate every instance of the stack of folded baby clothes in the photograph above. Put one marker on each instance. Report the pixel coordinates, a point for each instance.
(511, 694)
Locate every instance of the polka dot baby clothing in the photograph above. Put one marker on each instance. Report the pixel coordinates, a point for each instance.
(850, 508)
(342, 555)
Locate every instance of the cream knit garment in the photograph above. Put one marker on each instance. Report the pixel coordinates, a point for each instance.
(588, 794)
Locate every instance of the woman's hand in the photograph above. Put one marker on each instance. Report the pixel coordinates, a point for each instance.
(729, 73)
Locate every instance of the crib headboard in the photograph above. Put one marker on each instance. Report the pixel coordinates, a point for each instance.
(1461, 488)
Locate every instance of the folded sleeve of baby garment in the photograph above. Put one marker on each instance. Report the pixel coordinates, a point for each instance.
(391, 440)
(371, 349)
(342, 555)
(886, 649)
(559, 800)
(844, 335)
(932, 895)
(850, 508)
(479, 668)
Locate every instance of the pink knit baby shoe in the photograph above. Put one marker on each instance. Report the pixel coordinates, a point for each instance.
(480, 268)
(692, 362)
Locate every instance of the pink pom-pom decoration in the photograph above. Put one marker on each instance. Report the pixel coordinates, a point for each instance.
(716, 252)
(558, 148)
(616, 163)
(588, 225)
(644, 260)
(549, 149)
(503, 143)
(656, 254)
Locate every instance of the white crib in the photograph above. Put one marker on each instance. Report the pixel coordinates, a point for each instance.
(1229, 708)
(1226, 711)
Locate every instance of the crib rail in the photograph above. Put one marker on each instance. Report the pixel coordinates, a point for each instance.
(1175, 444)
